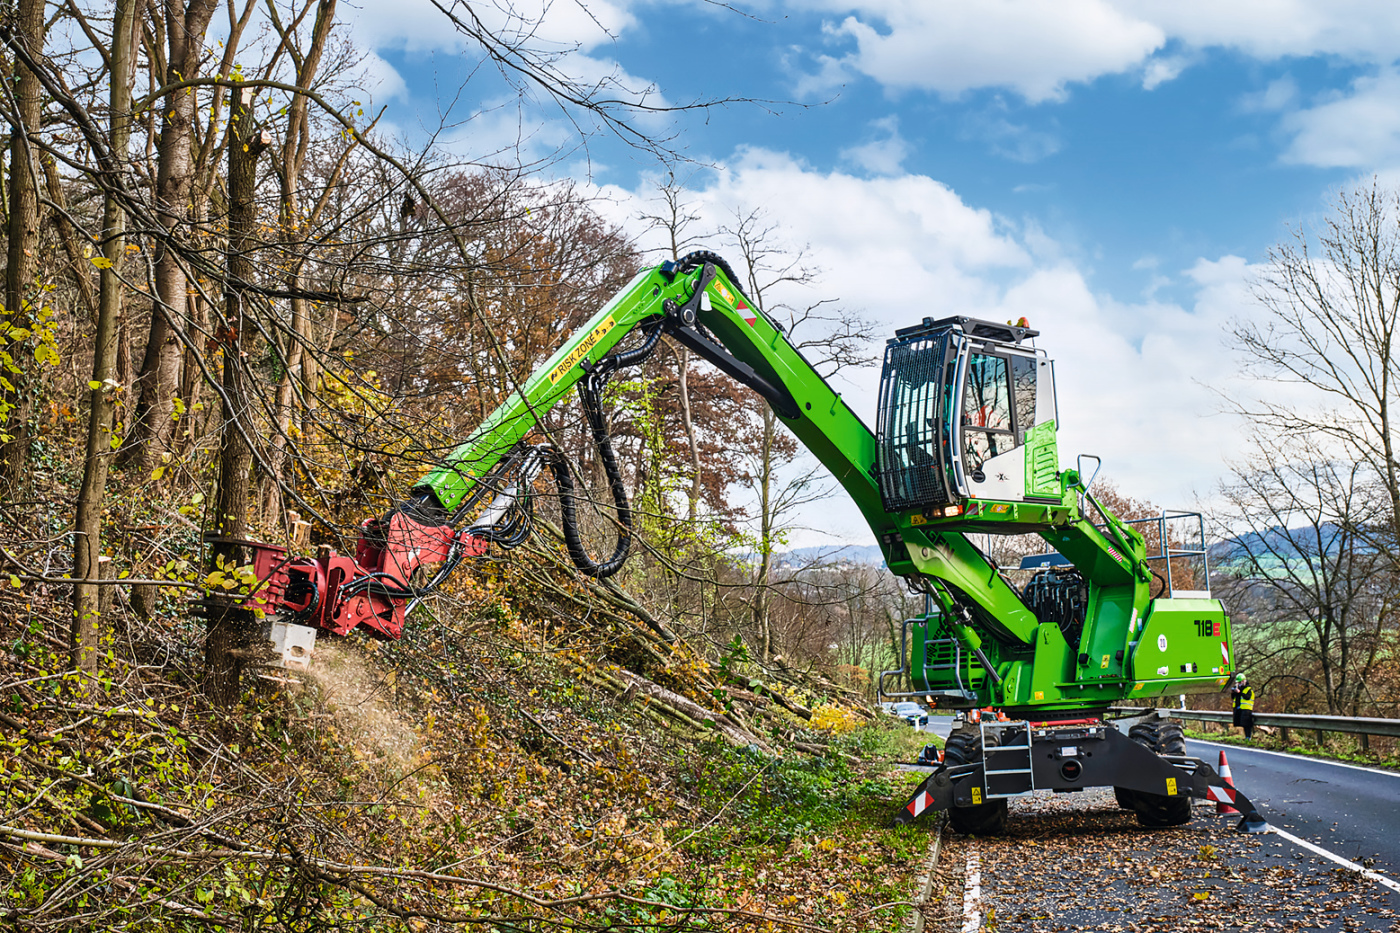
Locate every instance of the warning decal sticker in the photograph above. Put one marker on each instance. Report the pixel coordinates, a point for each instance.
(581, 351)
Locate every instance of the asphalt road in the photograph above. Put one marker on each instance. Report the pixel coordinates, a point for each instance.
(1077, 862)
(1352, 812)
(939, 726)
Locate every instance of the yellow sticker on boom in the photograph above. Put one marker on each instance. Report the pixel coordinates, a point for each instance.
(976, 796)
(1171, 787)
(580, 351)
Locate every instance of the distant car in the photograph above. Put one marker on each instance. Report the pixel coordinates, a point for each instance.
(912, 713)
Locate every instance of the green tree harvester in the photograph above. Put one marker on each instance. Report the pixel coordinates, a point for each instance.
(965, 443)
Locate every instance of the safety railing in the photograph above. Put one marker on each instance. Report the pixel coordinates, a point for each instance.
(1352, 725)
(1167, 553)
(931, 666)
(1157, 531)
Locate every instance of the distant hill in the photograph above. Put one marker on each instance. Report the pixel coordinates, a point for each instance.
(1276, 542)
(834, 554)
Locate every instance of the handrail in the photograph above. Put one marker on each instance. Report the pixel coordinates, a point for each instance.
(955, 667)
(1353, 725)
(1165, 551)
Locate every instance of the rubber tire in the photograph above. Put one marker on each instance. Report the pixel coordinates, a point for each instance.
(962, 746)
(1166, 738)
(1158, 811)
(1171, 739)
(1144, 734)
(984, 819)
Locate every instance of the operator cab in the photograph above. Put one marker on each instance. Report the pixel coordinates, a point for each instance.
(967, 411)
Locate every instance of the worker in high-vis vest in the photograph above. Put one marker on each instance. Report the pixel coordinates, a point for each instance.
(1244, 706)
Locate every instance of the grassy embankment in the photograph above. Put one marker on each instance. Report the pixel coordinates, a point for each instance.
(460, 779)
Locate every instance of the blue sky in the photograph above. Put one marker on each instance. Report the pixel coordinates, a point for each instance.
(1114, 170)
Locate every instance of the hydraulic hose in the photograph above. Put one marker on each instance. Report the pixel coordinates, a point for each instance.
(701, 256)
(567, 494)
(590, 391)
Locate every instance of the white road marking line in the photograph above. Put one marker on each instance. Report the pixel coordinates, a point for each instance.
(1324, 761)
(1344, 862)
(972, 895)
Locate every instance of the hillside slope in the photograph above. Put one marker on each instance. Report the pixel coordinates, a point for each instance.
(469, 777)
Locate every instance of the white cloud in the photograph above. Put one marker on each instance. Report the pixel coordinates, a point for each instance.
(883, 156)
(1367, 30)
(380, 80)
(1015, 141)
(505, 133)
(1163, 68)
(1034, 47)
(1037, 48)
(1360, 129)
(1278, 95)
(1136, 380)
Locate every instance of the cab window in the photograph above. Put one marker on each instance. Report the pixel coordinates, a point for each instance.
(987, 401)
(1023, 370)
(986, 414)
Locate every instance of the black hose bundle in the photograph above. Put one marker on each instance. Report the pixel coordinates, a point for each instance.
(701, 256)
(590, 391)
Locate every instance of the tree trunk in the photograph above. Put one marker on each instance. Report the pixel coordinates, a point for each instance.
(152, 425)
(191, 375)
(68, 235)
(229, 625)
(23, 245)
(693, 496)
(292, 231)
(766, 529)
(87, 525)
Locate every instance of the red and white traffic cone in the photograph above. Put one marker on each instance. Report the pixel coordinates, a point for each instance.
(1221, 807)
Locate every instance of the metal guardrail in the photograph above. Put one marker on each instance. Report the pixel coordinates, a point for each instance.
(1355, 725)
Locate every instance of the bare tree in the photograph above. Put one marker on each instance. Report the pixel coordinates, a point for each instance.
(24, 116)
(835, 339)
(1329, 334)
(87, 523)
(293, 224)
(1314, 601)
(1312, 517)
(675, 218)
(184, 27)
